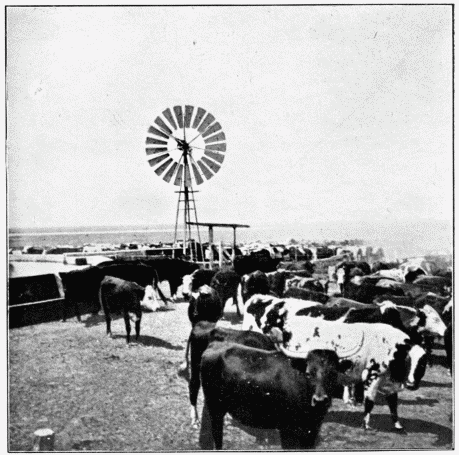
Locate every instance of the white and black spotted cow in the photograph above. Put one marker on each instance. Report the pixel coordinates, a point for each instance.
(258, 305)
(381, 356)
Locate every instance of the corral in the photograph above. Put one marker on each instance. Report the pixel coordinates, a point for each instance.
(97, 394)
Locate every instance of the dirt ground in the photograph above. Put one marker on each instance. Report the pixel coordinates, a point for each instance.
(98, 394)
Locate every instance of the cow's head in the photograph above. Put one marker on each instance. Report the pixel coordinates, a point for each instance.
(254, 283)
(408, 365)
(322, 372)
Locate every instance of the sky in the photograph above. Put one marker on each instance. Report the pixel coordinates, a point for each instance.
(331, 113)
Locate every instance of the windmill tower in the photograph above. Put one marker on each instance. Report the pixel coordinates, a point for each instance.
(185, 145)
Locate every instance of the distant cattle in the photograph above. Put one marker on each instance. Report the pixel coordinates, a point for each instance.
(123, 297)
(304, 268)
(306, 294)
(264, 389)
(366, 293)
(259, 260)
(304, 283)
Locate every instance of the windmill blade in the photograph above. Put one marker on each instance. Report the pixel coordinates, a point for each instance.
(168, 114)
(217, 138)
(163, 167)
(206, 122)
(198, 118)
(167, 177)
(188, 115)
(179, 115)
(152, 151)
(158, 159)
(178, 177)
(213, 129)
(197, 175)
(214, 166)
(187, 176)
(160, 122)
(153, 130)
(219, 147)
(215, 156)
(152, 140)
(205, 170)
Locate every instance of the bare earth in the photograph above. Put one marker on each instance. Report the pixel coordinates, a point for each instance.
(97, 394)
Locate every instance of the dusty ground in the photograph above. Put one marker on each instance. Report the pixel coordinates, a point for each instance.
(97, 394)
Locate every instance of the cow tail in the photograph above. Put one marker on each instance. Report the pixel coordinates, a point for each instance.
(101, 299)
(163, 298)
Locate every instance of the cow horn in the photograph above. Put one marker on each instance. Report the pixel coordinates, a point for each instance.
(292, 354)
(302, 354)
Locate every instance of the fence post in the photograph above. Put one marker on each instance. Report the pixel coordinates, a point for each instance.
(44, 440)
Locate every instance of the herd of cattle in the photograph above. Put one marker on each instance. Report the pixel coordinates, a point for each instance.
(300, 344)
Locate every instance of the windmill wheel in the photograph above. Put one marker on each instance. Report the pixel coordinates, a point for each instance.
(185, 139)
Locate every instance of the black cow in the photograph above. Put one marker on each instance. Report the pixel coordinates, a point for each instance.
(170, 270)
(277, 281)
(201, 335)
(256, 260)
(437, 284)
(366, 293)
(226, 283)
(135, 271)
(306, 294)
(119, 296)
(81, 286)
(305, 268)
(264, 389)
(254, 283)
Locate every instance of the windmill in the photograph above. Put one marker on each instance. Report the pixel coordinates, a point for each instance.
(184, 146)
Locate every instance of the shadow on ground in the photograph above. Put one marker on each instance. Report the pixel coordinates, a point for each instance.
(383, 423)
(147, 340)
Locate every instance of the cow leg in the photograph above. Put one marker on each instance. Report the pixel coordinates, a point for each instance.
(297, 438)
(348, 395)
(128, 327)
(371, 384)
(237, 306)
(195, 381)
(392, 401)
(216, 417)
(206, 441)
(369, 404)
(137, 327)
(108, 321)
